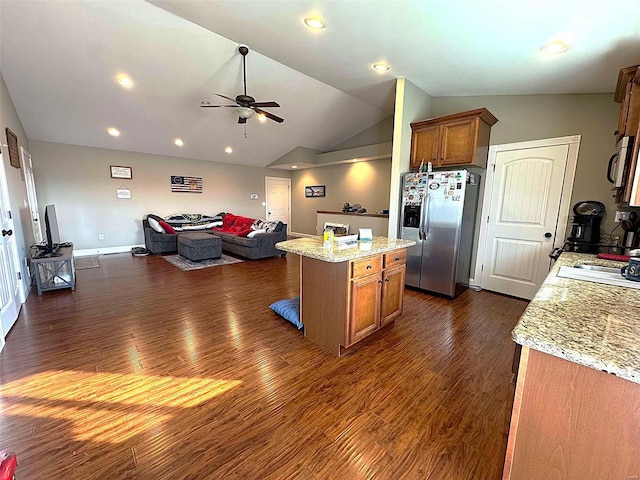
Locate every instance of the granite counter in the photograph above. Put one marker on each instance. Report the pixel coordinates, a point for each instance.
(588, 323)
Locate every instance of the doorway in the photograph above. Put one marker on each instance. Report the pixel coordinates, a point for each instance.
(10, 275)
(278, 204)
(525, 213)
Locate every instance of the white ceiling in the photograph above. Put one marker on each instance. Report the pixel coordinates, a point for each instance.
(59, 59)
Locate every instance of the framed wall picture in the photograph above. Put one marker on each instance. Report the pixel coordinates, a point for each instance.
(12, 142)
(314, 191)
(120, 172)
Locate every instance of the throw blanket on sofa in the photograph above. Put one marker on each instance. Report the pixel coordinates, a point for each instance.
(194, 221)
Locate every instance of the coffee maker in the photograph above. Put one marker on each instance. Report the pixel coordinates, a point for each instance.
(585, 227)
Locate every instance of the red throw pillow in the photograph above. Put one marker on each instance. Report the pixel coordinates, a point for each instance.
(167, 228)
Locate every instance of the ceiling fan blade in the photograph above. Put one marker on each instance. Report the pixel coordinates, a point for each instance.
(269, 115)
(242, 120)
(228, 98)
(218, 106)
(265, 104)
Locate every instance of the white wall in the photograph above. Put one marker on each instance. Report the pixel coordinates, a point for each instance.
(412, 105)
(77, 180)
(534, 117)
(17, 187)
(366, 183)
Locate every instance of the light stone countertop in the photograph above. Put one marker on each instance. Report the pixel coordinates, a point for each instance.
(592, 324)
(313, 247)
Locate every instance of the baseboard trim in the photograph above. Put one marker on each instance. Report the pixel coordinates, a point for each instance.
(296, 234)
(104, 251)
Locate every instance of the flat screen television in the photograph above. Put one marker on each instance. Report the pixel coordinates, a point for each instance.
(51, 227)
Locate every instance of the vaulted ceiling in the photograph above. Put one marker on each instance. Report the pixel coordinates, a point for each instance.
(60, 60)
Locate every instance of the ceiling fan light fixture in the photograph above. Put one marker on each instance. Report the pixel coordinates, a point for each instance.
(262, 117)
(557, 46)
(124, 81)
(245, 112)
(381, 67)
(314, 22)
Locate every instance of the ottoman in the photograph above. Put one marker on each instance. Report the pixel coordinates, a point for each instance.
(199, 246)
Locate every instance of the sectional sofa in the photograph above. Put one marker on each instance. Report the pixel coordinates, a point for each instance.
(240, 236)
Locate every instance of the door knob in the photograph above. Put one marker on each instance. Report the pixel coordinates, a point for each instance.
(548, 235)
(7, 233)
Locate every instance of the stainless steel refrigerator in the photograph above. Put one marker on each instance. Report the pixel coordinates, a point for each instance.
(438, 212)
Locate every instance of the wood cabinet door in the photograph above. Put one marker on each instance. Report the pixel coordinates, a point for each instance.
(424, 146)
(457, 142)
(392, 293)
(364, 311)
(633, 110)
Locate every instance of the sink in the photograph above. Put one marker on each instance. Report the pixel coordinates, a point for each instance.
(597, 268)
(597, 274)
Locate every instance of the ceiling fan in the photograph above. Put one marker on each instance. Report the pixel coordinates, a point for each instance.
(245, 104)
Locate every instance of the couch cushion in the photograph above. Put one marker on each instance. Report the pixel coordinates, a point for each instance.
(244, 241)
(153, 223)
(288, 309)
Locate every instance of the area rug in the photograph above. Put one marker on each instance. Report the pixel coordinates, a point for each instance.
(185, 264)
(82, 263)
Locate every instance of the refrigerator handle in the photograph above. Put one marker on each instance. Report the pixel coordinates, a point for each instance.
(424, 220)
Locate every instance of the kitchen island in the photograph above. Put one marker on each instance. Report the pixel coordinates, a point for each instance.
(576, 412)
(347, 292)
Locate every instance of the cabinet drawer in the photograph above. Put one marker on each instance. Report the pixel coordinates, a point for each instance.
(395, 258)
(366, 266)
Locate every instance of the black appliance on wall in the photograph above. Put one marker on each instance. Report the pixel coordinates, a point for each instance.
(585, 227)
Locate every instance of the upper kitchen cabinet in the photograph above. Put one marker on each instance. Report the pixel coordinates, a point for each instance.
(455, 140)
(628, 94)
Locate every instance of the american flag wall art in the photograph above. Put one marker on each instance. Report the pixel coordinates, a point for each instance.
(186, 184)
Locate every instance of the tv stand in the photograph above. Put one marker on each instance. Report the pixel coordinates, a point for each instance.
(54, 271)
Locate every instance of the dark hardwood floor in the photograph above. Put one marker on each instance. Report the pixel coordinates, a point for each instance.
(147, 372)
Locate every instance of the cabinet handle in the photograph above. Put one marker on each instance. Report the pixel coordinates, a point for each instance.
(380, 281)
(369, 267)
(386, 279)
(397, 259)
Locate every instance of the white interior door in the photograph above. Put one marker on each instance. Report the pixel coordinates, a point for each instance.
(27, 168)
(278, 199)
(9, 293)
(528, 201)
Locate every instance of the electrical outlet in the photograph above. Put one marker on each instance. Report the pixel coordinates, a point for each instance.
(620, 216)
(101, 236)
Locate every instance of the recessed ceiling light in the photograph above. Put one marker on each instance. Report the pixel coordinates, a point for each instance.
(380, 67)
(178, 142)
(228, 150)
(114, 132)
(262, 117)
(124, 81)
(556, 46)
(294, 166)
(314, 22)
(205, 102)
(355, 160)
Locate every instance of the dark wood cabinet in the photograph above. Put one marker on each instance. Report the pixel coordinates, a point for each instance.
(628, 94)
(454, 140)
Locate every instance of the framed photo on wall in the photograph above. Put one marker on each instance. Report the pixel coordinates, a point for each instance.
(120, 172)
(314, 191)
(12, 142)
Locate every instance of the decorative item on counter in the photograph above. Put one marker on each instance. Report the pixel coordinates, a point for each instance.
(327, 238)
(366, 234)
(355, 208)
(632, 270)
